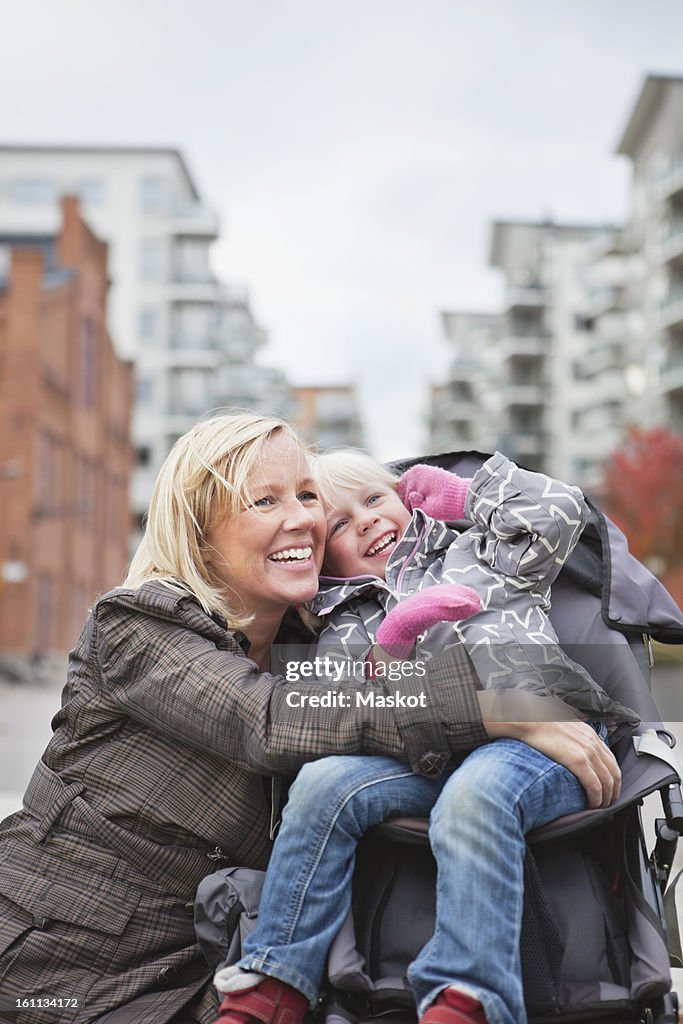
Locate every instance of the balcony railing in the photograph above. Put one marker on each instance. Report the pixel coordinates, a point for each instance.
(671, 373)
(193, 219)
(524, 393)
(671, 242)
(671, 309)
(526, 296)
(669, 183)
(526, 345)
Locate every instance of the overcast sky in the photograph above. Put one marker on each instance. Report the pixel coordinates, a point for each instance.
(356, 150)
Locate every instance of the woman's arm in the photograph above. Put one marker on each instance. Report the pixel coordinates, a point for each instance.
(571, 743)
(182, 675)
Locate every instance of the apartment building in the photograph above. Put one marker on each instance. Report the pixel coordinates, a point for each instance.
(327, 415)
(464, 410)
(513, 383)
(590, 340)
(653, 141)
(193, 338)
(65, 449)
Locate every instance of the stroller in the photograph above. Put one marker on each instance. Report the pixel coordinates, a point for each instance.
(600, 926)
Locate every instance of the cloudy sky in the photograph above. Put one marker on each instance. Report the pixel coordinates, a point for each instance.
(357, 150)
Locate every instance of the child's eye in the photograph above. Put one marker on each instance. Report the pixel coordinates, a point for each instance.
(336, 526)
(373, 498)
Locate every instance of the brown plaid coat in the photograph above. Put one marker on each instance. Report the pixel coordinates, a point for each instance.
(155, 776)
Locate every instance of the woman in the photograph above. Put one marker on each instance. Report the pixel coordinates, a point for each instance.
(170, 720)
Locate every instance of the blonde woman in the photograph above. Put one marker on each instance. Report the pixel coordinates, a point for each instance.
(170, 719)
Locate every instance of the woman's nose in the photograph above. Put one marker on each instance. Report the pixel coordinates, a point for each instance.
(299, 517)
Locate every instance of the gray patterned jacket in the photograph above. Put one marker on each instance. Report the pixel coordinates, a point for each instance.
(525, 527)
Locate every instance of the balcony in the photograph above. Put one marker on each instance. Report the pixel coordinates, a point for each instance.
(606, 299)
(184, 288)
(526, 444)
(526, 297)
(523, 393)
(600, 359)
(463, 369)
(459, 411)
(193, 219)
(671, 244)
(671, 373)
(671, 311)
(528, 346)
(669, 184)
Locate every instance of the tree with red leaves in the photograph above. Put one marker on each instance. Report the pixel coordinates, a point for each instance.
(643, 494)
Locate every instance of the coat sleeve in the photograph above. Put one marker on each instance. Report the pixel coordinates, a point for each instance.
(531, 523)
(170, 677)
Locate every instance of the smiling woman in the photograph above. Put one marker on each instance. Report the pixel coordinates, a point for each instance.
(269, 555)
(170, 720)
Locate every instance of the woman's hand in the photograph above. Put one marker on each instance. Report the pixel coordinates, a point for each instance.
(575, 745)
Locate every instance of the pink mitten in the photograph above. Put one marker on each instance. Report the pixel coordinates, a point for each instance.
(446, 602)
(438, 493)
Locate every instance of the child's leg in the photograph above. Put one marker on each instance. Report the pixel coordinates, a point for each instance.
(477, 829)
(307, 892)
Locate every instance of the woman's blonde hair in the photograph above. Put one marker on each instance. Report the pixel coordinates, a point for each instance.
(346, 468)
(203, 478)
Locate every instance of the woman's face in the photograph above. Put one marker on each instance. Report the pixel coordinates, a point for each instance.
(269, 554)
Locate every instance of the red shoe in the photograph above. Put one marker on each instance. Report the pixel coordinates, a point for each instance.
(453, 1007)
(269, 1002)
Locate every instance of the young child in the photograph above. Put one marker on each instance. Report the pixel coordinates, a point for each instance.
(394, 575)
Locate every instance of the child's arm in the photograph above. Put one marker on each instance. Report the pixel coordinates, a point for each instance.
(438, 493)
(532, 523)
(445, 602)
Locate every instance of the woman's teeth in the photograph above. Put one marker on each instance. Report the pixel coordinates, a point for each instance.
(291, 555)
(382, 544)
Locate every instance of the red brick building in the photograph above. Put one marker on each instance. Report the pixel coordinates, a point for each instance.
(65, 450)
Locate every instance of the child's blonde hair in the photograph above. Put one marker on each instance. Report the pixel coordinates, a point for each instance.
(204, 477)
(346, 468)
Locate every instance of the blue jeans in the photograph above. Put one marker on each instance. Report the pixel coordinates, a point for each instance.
(480, 813)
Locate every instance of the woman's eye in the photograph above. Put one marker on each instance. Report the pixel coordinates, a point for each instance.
(263, 502)
(308, 496)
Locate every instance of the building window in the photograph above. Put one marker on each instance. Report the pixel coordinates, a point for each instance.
(194, 325)
(144, 388)
(45, 616)
(91, 191)
(191, 391)
(84, 490)
(153, 194)
(33, 190)
(87, 381)
(191, 260)
(151, 259)
(147, 322)
(50, 482)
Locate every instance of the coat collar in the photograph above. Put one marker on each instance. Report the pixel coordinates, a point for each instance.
(424, 539)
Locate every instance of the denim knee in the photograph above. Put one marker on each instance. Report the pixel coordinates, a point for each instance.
(317, 784)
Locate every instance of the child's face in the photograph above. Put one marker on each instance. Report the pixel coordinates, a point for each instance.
(364, 525)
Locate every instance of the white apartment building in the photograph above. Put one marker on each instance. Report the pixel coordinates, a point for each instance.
(464, 413)
(513, 380)
(653, 140)
(590, 340)
(193, 339)
(327, 416)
